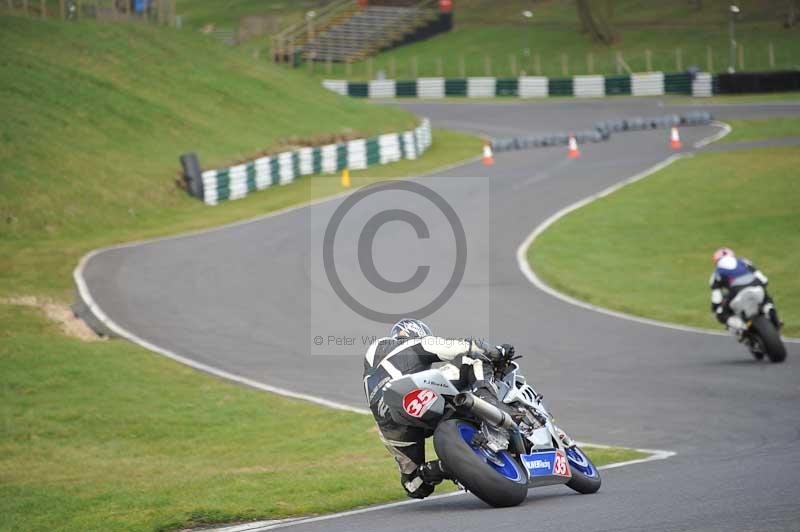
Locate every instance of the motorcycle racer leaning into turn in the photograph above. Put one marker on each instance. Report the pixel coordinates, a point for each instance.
(411, 348)
(730, 275)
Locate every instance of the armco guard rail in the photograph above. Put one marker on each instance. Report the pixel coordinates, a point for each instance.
(238, 181)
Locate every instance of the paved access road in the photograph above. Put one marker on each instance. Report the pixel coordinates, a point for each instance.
(249, 300)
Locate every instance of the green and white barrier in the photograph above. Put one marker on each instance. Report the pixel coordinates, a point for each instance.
(650, 84)
(240, 180)
(703, 84)
(640, 84)
(532, 87)
(589, 86)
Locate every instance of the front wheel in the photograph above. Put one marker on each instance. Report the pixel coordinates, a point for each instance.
(585, 476)
(494, 477)
(770, 339)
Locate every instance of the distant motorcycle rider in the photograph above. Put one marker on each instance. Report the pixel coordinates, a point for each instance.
(411, 348)
(730, 275)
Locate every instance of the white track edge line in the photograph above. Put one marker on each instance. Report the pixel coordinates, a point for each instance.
(264, 526)
(726, 128)
(108, 322)
(527, 271)
(95, 309)
(113, 326)
(655, 454)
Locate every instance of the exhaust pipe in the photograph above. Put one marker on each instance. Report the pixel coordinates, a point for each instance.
(484, 410)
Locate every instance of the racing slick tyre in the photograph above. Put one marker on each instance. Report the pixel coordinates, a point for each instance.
(494, 477)
(585, 476)
(776, 351)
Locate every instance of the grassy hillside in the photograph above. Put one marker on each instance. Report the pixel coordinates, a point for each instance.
(105, 435)
(96, 115)
(227, 13)
(499, 31)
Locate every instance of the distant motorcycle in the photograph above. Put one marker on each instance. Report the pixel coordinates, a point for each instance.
(497, 443)
(753, 328)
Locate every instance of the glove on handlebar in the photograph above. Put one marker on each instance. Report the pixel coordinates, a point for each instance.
(495, 355)
(507, 351)
(500, 353)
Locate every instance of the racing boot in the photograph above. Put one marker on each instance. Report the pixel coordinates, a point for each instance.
(737, 326)
(433, 472)
(415, 486)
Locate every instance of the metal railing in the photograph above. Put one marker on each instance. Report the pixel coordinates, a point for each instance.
(424, 13)
(287, 43)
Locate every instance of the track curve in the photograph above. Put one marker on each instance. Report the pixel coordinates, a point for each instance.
(240, 299)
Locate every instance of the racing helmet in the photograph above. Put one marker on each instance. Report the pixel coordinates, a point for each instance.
(722, 252)
(410, 328)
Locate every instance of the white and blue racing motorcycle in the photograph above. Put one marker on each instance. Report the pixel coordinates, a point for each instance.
(496, 441)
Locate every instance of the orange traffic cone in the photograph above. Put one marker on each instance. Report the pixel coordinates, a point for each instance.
(574, 152)
(488, 157)
(675, 138)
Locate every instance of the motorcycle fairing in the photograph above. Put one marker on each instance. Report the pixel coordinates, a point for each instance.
(396, 391)
(547, 467)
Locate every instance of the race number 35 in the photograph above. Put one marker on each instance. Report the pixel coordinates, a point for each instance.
(417, 402)
(560, 467)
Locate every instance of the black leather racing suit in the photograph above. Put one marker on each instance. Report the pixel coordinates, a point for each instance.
(725, 283)
(390, 358)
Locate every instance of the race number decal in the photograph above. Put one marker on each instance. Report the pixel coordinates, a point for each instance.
(560, 467)
(417, 402)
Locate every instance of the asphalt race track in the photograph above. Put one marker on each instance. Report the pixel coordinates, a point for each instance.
(249, 299)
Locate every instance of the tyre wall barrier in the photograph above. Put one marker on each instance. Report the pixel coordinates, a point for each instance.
(481, 87)
(240, 180)
(532, 87)
(602, 131)
(429, 87)
(644, 84)
(589, 86)
(650, 84)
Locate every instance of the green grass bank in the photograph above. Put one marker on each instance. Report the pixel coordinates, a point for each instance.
(106, 435)
(96, 115)
(646, 249)
(768, 128)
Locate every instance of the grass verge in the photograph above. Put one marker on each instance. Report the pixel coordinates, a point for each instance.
(96, 115)
(106, 436)
(762, 129)
(646, 249)
(43, 266)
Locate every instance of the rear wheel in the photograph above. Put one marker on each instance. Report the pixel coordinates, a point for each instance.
(494, 477)
(585, 476)
(770, 339)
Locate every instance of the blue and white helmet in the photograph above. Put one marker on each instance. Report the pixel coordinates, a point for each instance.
(410, 328)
